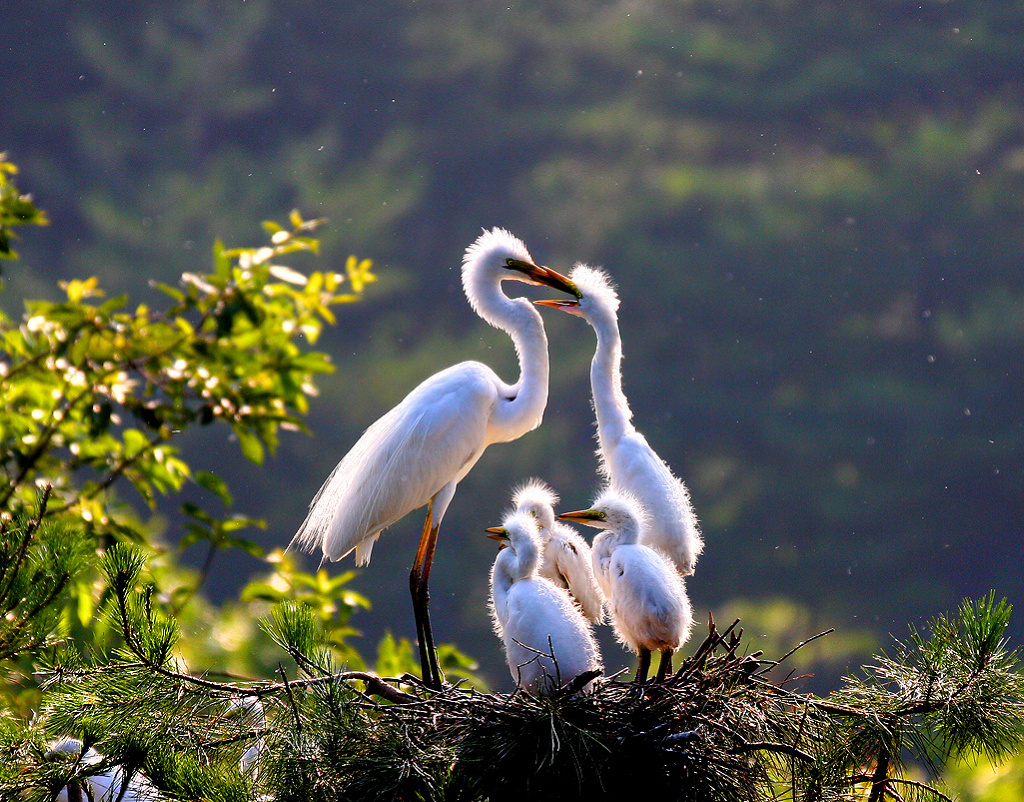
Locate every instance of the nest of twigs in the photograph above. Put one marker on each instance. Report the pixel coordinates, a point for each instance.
(715, 729)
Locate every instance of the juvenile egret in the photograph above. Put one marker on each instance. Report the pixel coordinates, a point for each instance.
(627, 460)
(104, 786)
(248, 712)
(647, 600)
(565, 557)
(547, 641)
(419, 451)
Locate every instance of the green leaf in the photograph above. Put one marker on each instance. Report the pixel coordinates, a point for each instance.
(221, 260)
(293, 627)
(167, 289)
(248, 546)
(263, 591)
(197, 512)
(252, 448)
(213, 483)
(314, 362)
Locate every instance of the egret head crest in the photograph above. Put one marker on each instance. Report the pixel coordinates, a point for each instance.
(536, 498)
(596, 285)
(621, 510)
(498, 255)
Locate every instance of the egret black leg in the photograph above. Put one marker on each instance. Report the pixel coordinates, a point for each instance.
(437, 678)
(644, 667)
(418, 586)
(665, 666)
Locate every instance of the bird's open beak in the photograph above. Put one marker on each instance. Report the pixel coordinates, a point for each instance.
(545, 276)
(587, 517)
(499, 533)
(564, 305)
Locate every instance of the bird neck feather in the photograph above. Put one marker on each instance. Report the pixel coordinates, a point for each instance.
(610, 404)
(527, 398)
(527, 556)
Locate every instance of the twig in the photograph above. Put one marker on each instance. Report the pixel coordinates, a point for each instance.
(753, 746)
(203, 573)
(922, 786)
(771, 746)
(804, 643)
(880, 777)
(377, 685)
(576, 685)
(291, 701)
(706, 649)
(30, 529)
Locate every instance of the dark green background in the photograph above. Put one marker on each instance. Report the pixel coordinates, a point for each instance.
(814, 211)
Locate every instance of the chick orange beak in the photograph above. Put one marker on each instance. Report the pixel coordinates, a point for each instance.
(499, 533)
(566, 305)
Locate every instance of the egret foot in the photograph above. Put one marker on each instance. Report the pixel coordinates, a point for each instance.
(665, 666)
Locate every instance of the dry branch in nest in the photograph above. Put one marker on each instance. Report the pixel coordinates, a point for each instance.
(721, 728)
(716, 729)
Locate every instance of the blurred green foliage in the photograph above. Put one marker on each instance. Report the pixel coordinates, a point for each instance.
(15, 209)
(976, 780)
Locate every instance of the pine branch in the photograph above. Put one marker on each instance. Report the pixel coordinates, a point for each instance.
(718, 727)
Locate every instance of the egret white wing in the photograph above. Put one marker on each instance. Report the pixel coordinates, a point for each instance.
(543, 621)
(432, 438)
(650, 607)
(672, 524)
(572, 561)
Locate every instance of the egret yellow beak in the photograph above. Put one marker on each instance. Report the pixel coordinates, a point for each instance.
(545, 276)
(586, 517)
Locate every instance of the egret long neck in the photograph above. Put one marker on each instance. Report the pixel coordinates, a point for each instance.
(523, 409)
(502, 575)
(610, 404)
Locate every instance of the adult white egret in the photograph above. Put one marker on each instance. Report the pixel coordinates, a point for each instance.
(647, 600)
(565, 557)
(419, 451)
(547, 641)
(627, 460)
(103, 786)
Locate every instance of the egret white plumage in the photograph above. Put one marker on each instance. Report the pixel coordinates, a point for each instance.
(647, 600)
(565, 557)
(547, 641)
(626, 458)
(419, 451)
(108, 785)
(248, 711)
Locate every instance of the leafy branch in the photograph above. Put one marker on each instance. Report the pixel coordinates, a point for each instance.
(96, 394)
(720, 727)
